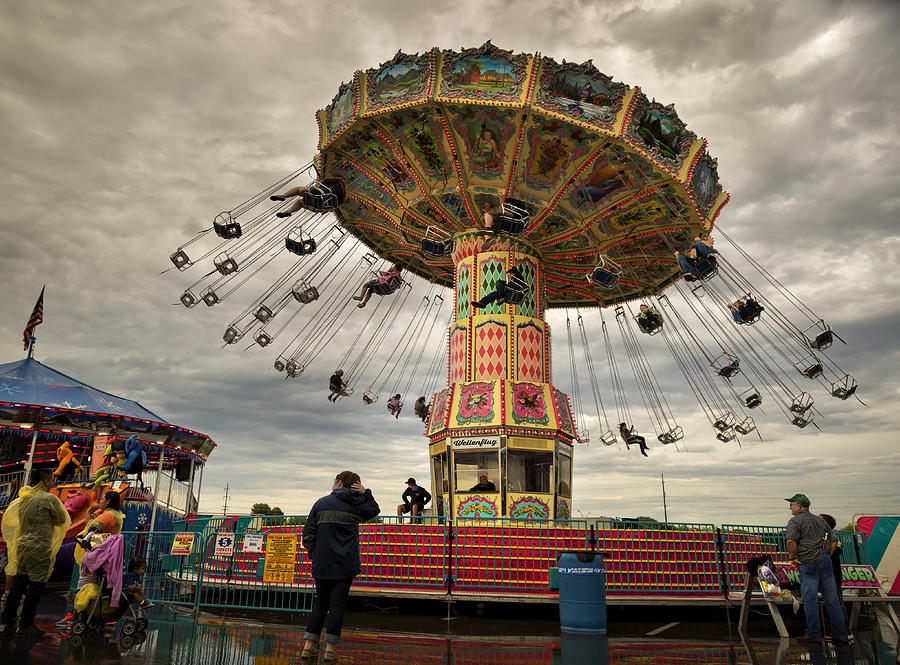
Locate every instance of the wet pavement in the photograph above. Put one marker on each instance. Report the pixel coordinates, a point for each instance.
(467, 634)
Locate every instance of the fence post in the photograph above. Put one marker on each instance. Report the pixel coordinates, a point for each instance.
(723, 570)
(449, 556)
(593, 539)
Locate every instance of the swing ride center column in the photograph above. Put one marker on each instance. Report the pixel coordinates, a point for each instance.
(500, 417)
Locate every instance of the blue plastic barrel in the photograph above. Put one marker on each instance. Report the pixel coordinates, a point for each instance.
(582, 592)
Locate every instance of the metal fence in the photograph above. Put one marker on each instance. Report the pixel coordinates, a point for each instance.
(659, 557)
(493, 556)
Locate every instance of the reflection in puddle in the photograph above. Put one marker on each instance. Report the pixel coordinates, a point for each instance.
(178, 640)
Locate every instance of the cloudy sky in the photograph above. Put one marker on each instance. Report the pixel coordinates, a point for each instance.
(126, 127)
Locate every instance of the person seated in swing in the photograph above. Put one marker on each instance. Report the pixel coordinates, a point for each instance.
(488, 218)
(421, 408)
(503, 292)
(688, 262)
(310, 197)
(730, 369)
(649, 319)
(745, 310)
(387, 281)
(336, 385)
(629, 438)
(394, 406)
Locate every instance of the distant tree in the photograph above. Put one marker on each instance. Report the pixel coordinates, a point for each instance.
(276, 511)
(260, 509)
(850, 527)
(644, 518)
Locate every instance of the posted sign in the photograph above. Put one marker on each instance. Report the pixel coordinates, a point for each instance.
(281, 557)
(182, 544)
(224, 544)
(253, 542)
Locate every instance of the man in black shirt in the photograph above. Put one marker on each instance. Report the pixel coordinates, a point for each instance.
(414, 499)
(484, 485)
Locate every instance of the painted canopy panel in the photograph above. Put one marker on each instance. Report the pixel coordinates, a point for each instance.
(424, 141)
(31, 382)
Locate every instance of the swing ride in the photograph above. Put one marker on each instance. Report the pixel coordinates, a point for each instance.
(524, 185)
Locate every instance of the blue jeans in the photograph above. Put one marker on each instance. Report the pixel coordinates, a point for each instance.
(328, 610)
(815, 578)
(703, 250)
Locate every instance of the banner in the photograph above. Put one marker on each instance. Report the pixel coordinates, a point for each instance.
(98, 451)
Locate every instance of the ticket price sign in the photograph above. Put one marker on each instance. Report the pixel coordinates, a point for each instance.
(224, 544)
(182, 544)
(281, 557)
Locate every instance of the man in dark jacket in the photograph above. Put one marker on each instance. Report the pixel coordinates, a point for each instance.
(331, 538)
(414, 499)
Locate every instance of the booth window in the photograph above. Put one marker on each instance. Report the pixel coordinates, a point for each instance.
(529, 471)
(470, 465)
(564, 476)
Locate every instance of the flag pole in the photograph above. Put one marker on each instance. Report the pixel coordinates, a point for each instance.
(31, 347)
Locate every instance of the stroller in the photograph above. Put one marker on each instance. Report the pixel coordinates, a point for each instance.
(100, 613)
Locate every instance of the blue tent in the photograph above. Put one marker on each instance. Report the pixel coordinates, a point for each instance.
(31, 382)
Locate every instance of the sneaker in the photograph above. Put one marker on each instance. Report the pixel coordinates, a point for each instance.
(146, 604)
(276, 197)
(282, 215)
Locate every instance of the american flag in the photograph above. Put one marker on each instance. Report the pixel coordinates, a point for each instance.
(36, 318)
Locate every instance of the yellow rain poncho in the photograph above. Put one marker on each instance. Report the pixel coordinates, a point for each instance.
(34, 526)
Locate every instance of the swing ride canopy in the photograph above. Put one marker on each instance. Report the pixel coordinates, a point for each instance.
(76, 411)
(426, 140)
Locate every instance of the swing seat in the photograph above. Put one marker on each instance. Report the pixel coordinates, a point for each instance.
(293, 369)
(608, 438)
(726, 436)
(751, 399)
(726, 365)
(188, 299)
(279, 365)
(225, 226)
(304, 293)
(801, 421)
(514, 217)
(436, 242)
(607, 272)
(262, 338)
(651, 328)
(673, 435)
(746, 426)
(370, 397)
(706, 268)
(299, 243)
(209, 297)
(810, 366)
(386, 288)
(324, 196)
(180, 259)
(263, 314)
(515, 290)
(820, 335)
(844, 387)
(749, 312)
(802, 403)
(232, 335)
(225, 264)
(724, 422)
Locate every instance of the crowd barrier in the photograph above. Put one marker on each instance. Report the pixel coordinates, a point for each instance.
(264, 565)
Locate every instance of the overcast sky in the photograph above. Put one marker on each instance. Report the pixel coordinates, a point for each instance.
(127, 126)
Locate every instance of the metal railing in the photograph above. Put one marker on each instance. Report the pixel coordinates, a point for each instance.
(489, 555)
(9, 486)
(674, 558)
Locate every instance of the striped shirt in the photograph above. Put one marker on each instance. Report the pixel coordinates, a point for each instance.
(810, 533)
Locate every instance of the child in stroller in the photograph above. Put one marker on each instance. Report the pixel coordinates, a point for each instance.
(101, 596)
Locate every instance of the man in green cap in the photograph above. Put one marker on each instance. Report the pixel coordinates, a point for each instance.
(810, 542)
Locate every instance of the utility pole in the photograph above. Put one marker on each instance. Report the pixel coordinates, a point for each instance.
(225, 507)
(665, 511)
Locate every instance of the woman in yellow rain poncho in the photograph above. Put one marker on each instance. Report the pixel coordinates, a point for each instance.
(34, 526)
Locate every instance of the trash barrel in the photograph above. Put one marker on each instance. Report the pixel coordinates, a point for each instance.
(582, 592)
